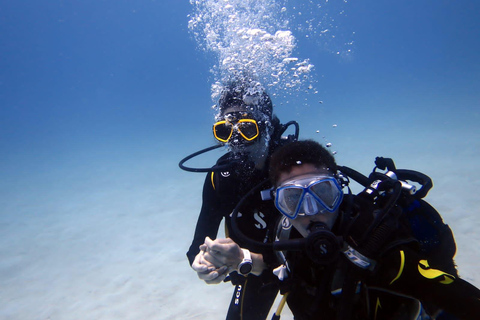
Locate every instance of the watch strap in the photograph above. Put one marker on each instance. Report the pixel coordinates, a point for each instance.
(246, 255)
(246, 265)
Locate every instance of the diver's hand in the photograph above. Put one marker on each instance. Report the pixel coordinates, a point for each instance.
(207, 271)
(227, 252)
(223, 251)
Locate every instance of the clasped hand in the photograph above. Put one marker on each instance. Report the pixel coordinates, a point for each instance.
(216, 259)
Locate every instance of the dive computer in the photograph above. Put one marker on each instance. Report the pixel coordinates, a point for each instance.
(246, 266)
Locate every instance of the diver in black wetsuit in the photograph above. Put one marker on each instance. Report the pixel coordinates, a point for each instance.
(379, 274)
(344, 269)
(247, 125)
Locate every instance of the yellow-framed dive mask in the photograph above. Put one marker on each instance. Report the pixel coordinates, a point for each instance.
(248, 129)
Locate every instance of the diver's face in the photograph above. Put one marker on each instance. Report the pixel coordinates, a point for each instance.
(303, 221)
(241, 131)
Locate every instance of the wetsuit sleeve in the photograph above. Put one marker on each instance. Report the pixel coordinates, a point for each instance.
(209, 219)
(407, 273)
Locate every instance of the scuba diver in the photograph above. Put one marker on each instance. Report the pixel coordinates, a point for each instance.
(344, 256)
(247, 125)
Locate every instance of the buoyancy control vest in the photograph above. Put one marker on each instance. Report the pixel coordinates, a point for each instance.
(389, 212)
(408, 211)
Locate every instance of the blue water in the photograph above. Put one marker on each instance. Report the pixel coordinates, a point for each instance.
(100, 99)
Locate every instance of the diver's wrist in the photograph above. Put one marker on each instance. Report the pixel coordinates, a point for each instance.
(258, 265)
(246, 265)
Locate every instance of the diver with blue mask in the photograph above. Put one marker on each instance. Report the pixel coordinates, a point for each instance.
(246, 124)
(393, 281)
(331, 263)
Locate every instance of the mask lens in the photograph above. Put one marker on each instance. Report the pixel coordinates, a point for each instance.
(222, 131)
(327, 192)
(288, 199)
(248, 129)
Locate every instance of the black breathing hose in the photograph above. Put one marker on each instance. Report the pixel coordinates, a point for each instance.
(223, 167)
(384, 224)
(252, 244)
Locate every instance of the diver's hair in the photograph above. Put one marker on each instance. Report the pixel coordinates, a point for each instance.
(247, 94)
(297, 153)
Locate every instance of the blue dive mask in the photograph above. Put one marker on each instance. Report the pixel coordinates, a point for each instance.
(308, 196)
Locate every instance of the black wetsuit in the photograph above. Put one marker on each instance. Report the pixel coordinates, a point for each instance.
(403, 278)
(252, 298)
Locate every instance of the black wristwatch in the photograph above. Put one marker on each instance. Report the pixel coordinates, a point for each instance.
(246, 266)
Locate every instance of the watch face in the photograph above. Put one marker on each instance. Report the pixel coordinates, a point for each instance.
(245, 268)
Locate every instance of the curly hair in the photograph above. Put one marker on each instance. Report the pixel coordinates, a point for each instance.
(246, 94)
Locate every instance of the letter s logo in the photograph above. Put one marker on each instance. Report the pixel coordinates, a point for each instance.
(323, 248)
(258, 216)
